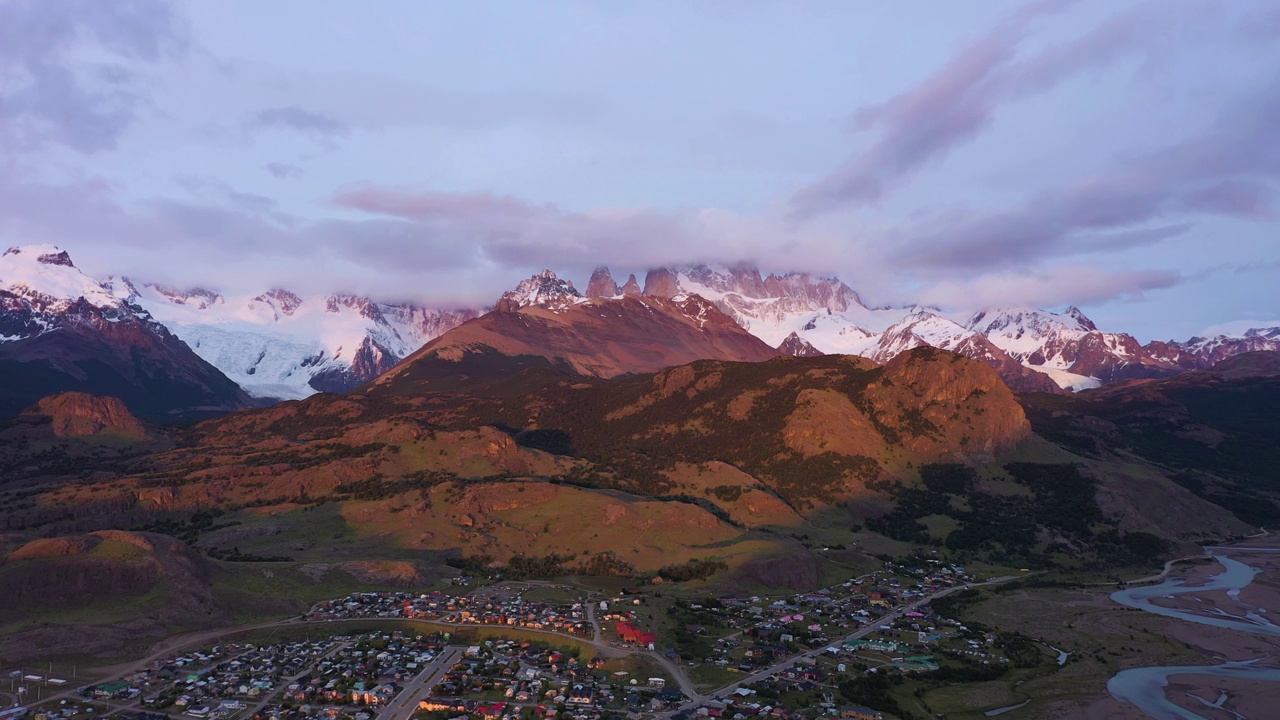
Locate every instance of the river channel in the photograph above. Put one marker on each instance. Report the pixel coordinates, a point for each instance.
(1145, 686)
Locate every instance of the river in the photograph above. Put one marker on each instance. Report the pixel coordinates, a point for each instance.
(1145, 686)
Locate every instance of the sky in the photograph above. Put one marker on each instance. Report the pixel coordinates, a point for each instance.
(1119, 156)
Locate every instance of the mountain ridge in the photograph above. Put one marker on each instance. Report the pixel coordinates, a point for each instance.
(61, 330)
(280, 345)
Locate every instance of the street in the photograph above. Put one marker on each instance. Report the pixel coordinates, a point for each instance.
(404, 705)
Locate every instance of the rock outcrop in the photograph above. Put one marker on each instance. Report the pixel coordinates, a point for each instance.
(76, 414)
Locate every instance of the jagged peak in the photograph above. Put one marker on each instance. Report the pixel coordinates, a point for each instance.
(601, 284)
(661, 282)
(1023, 318)
(1080, 317)
(918, 313)
(46, 275)
(631, 286)
(283, 300)
(197, 296)
(545, 289)
(797, 346)
(44, 254)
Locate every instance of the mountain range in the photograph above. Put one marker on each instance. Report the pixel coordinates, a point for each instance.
(60, 331)
(278, 345)
(281, 345)
(624, 431)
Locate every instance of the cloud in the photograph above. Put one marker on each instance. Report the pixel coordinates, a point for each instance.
(1263, 266)
(439, 247)
(284, 171)
(71, 68)
(1237, 328)
(509, 232)
(1229, 170)
(921, 125)
(330, 104)
(1078, 284)
(295, 118)
(465, 249)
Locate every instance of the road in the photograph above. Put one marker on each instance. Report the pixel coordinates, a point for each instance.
(1168, 566)
(591, 618)
(198, 639)
(404, 705)
(180, 643)
(284, 684)
(697, 699)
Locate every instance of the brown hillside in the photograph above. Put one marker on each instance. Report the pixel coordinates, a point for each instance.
(810, 429)
(153, 581)
(601, 338)
(1258, 364)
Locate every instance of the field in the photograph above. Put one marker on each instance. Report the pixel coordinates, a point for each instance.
(1101, 637)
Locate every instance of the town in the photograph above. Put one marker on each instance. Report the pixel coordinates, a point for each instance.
(542, 650)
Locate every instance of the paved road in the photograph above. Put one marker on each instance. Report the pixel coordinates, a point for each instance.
(404, 705)
(697, 699)
(198, 639)
(591, 618)
(284, 684)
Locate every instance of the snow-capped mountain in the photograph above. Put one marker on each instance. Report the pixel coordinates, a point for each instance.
(1221, 347)
(278, 344)
(281, 345)
(924, 327)
(774, 307)
(801, 314)
(544, 323)
(917, 329)
(544, 290)
(1027, 346)
(796, 346)
(61, 330)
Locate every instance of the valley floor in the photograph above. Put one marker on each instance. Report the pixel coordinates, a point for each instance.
(1092, 636)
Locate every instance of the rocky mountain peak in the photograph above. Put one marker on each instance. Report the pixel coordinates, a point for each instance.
(43, 254)
(545, 290)
(742, 278)
(661, 282)
(1080, 317)
(797, 346)
(601, 284)
(46, 280)
(58, 258)
(1271, 333)
(285, 302)
(631, 287)
(198, 297)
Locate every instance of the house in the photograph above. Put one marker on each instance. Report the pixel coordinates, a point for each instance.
(108, 690)
(580, 695)
(628, 632)
(670, 695)
(857, 712)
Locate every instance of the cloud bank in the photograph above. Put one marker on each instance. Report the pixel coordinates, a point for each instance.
(81, 74)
